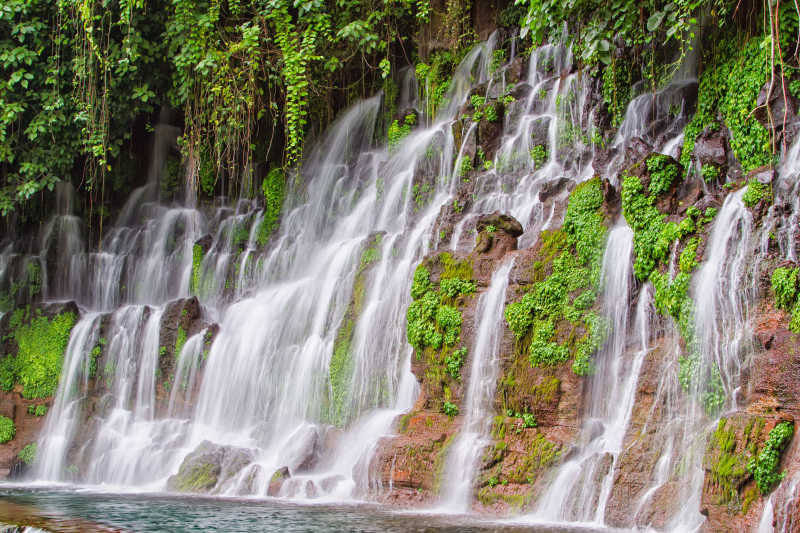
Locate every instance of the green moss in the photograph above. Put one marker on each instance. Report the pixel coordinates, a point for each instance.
(28, 454)
(196, 478)
(757, 192)
(342, 364)
(764, 467)
(41, 344)
(274, 189)
(197, 261)
(180, 341)
(728, 467)
(540, 454)
(7, 429)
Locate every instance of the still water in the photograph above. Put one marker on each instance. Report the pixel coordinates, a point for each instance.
(90, 512)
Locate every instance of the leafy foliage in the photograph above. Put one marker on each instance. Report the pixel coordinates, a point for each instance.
(450, 409)
(756, 192)
(41, 345)
(730, 84)
(563, 297)
(784, 286)
(28, 454)
(7, 429)
(764, 467)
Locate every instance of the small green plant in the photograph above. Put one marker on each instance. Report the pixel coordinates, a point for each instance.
(528, 420)
(454, 361)
(28, 454)
(710, 173)
(491, 229)
(464, 167)
(784, 286)
(37, 410)
(764, 467)
(539, 155)
(756, 192)
(662, 174)
(7, 429)
(450, 409)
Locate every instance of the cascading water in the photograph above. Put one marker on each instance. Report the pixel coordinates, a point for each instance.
(309, 369)
(580, 490)
(472, 438)
(289, 307)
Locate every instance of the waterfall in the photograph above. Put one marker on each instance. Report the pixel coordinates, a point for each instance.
(473, 436)
(580, 490)
(264, 386)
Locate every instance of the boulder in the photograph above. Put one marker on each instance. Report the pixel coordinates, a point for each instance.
(497, 233)
(208, 466)
(775, 106)
(711, 148)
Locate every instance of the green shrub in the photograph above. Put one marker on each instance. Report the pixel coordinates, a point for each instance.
(7, 429)
(41, 345)
(37, 410)
(28, 454)
(450, 409)
(784, 286)
(764, 467)
(756, 192)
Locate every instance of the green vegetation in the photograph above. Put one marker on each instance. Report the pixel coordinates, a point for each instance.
(756, 192)
(197, 266)
(727, 456)
(450, 409)
(180, 340)
(7, 429)
(653, 238)
(28, 454)
(431, 321)
(37, 410)
(786, 289)
(41, 343)
(539, 155)
(397, 132)
(554, 315)
(764, 467)
(274, 190)
(342, 365)
(730, 85)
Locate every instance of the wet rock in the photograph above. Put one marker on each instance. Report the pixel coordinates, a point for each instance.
(208, 466)
(711, 148)
(553, 188)
(540, 132)
(765, 175)
(502, 222)
(497, 233)
(774, 106)
(277, 479)
(205, 242)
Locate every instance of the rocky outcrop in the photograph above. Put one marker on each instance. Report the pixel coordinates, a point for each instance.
(208, 467)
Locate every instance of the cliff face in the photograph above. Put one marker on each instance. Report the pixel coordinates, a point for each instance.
(644, 367)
